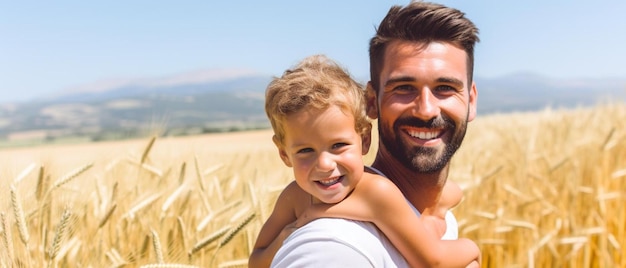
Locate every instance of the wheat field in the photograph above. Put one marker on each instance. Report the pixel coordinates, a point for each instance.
(542, 189)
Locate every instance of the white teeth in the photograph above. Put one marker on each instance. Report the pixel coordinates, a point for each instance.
(424, 135)
(330, 181)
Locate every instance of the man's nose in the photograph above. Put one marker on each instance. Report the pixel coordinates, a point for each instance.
(426, 105)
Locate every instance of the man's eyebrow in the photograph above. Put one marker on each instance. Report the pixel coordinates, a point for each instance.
(399, 80)
(447, 80)
(450, 80)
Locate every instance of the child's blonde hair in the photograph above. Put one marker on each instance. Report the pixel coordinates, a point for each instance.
(316, 82)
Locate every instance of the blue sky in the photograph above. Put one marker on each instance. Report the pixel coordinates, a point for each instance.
(52, 46)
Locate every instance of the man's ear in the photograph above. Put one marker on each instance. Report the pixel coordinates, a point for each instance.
(281, 151)
(473, 99)
(366, 140)
(371, 99)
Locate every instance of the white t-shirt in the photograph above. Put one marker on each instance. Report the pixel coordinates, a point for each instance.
(332, 242)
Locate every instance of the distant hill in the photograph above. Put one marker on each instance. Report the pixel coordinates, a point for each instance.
(200, 103)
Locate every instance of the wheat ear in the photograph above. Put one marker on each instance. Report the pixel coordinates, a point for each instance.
(41, 184)
(229, 236)
(158, 250)
(60, 232)
(181, 175)
(107, 216)
(208, 240)
(181, 232)
(170, 200)
(146, 151)
(131, 213)
(73, 174)
(199, 174)
(19, 216)
(24, 173)
(8, 239)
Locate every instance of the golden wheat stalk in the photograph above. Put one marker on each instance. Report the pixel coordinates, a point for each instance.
(145, 166)
(19, 216)
(218, 189)
(212, 169)
(106, 217)
(181, 232)
(108, 167)
(114, 256)
(170, 200)
(181, 174)
(209, 239)
(41, 184)
(24, 173)
(144, 246)
(158, 250)
(232, 185)
(154, 170)
(71, 175)
(59, 234)
(114, 192)
(607, 144)
(8, 238)
(234, 231)
(198, 173)
(205, 221)
(73, 243)
(185, 202)
(239, 214)
(131, 213)
(146, 151)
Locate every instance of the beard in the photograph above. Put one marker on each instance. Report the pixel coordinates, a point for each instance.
(417, 158)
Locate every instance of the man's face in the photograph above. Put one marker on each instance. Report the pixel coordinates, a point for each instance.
(423, 104)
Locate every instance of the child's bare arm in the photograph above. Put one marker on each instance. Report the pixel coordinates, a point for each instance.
(410, 234)
(278, 226)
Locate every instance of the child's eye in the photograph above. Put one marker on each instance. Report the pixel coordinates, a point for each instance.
(339, 145)
(304, 150)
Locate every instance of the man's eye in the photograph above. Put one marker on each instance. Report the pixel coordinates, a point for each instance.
(404, 88)
(444, 88)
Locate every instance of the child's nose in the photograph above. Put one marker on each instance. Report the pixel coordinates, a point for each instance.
(326, 162)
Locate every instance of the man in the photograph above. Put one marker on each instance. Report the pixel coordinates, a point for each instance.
(422, 93)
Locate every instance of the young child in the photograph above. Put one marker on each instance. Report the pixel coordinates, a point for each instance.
(321, 130)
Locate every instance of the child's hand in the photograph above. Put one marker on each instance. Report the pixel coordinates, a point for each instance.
(311, 213)
(474, 264)
(287, 230)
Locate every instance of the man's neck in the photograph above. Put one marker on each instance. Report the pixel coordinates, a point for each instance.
(421, 189)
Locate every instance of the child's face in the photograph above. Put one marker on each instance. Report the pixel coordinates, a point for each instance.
(325, 152)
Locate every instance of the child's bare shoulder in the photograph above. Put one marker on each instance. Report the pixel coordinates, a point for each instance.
(451, 195)
(375, 186)
(294, 196)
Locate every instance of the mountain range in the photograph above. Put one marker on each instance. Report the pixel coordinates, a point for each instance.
(229, 100)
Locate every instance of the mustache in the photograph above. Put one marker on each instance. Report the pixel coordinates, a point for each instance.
(436, 122)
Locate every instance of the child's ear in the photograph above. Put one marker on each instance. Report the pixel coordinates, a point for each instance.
(281, 151)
